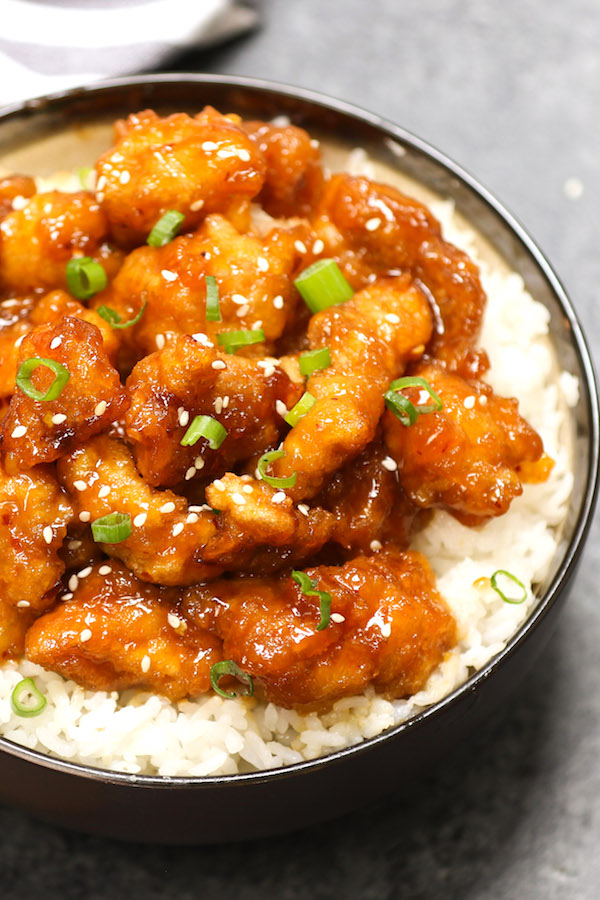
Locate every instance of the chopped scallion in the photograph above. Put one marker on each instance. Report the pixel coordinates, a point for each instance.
(268, 458)
(213, 310)
(228, 667)
(402, 407)
(165, 229)
(112, 528)
(206, 427)
(113, 318)
(26, 370)
(27, 700)
(314, 360)
(307, 586)
(514, 582)
(235, 340)
(323, 285)
(85, 277)
(297, 412)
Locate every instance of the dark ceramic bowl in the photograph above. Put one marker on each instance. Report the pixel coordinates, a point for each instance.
(197, 810)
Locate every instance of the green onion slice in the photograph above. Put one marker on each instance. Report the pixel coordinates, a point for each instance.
(112, 529)
(323, 285)
(403, 409)
(206, 427)
(297, 412)
(268, 458)
(314, 360)
(27, 700)
(502, 573)
(85, 277)
(234, 340)
(165, 229)
(113, 318)
(228, 667)
(213, 311)
(26, 370)
(307, 586)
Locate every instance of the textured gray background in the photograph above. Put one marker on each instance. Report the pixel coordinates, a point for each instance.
(511, 90)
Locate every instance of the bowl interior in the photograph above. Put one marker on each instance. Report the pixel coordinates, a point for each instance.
(70, 130)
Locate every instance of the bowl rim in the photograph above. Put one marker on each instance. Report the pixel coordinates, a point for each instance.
(574, 548)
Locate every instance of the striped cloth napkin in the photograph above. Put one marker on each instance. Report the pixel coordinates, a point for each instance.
(49, 45)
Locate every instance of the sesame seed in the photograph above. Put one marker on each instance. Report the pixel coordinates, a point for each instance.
(262, 264)
(19, 431)
(219, 485)
(373, 224)
(74, 545)
(281, 408)
(85, 516)
(239, 299)
(390, 464)
(197, 508)
(278, 302)
(48, 534)
(198, 463)
(355, 579)
(160, 341)
(257, 325)
(243, 310)
(482, 399)
(375, 545)
(392, 318)
(67, 596)
(278, 497)
(173, 620)
(104, 491)
(226, 153)
(318, 246)
(218, 364)
(469, 402)
(269, 370)
(55, 342)
(248, 489)
(58, 418)
(190, 473)
(20, 202)
(140, 520)
(23, 604)
(192, 519)
(100, 408)
(196, 205)
(80, 485)
(226, 401)
(20, 340)
(238, 498)
(167, 507)
(145, 664)
(245, 477)
(168, 275)
(385, 629)
(73, 583)
(177, 529)
(104, 570)
(125, 177)
(184, 417)
(243, 154)
(200, 337)
(337, 617)
(303, 508)
(218, 404)
(207, 146)
(300, 247)
(84, 572)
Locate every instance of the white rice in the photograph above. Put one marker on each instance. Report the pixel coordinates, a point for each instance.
(141, 733)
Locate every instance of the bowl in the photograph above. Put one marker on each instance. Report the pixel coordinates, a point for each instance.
(69, 129)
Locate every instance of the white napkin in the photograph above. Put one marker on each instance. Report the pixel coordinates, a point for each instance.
(49, 45)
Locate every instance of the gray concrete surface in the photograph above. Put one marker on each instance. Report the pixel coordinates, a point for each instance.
(511, 90)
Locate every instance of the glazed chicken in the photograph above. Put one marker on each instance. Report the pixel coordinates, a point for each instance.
(210, 475)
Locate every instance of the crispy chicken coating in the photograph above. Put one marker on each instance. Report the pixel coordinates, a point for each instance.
(196, 166)
(13, 186)
(463, 458)
(252, 276)
(370, 338)
(370, 227)
(169, 388)
(294, 177)
(34, 514)
(37, 242)
(118, 632)
(36, 431)
(14, 623)
(389, 628)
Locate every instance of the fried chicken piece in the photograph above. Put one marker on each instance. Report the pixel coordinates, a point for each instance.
(119, 632)
(11, 187)
(370, 507)
(37, 242)
(34, 514)
(370, 227)
(167, 538)
(294, 177)
(251, 275)
(370, 339)
(55, 305)
(389, 628)
(36, 431)
(465, 457)
(168, 389)
(196, 165)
